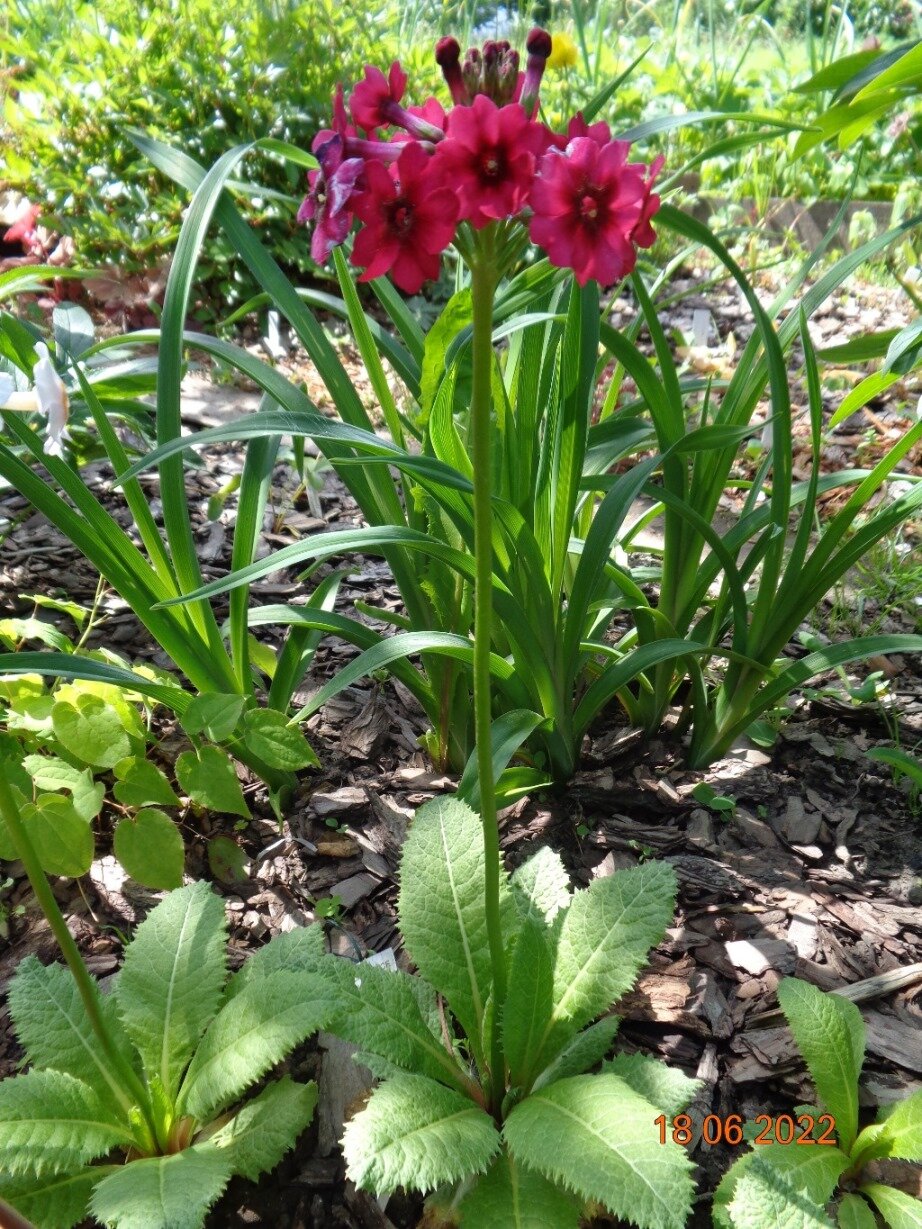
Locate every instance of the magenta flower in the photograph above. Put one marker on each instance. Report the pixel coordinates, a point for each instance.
(488, 156)
(375, 103)
(409, 218)
(577, 127)
(590, 208)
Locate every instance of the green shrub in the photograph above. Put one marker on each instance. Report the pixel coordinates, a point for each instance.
(209, 78)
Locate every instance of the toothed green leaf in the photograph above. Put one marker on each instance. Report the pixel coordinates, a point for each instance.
(441, 908)
(257, 1137)
(418, 1134)
(669, 1089)
(51, 1122)
(391, 1015)
(510, 1197)
(248, 1036)
(829, 1032)
(171, 981)
(58, 1201)
(593, 1135)
(770, 1176)
(898, 1131)
(604, 939)
(854, 1213)
(55, 1031)
(529, 999)
(899, 1210)
(300, 951)
(582, 1053)
(162, 1192)
(541, 885)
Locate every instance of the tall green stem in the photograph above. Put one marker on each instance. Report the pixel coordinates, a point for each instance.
(483, 288)
(89, 992)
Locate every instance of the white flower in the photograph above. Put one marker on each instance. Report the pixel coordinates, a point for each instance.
(48, 396)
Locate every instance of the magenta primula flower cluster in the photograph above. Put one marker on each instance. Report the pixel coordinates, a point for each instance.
(413, 175)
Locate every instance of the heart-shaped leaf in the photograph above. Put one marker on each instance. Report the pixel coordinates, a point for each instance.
(150, 848)
(208, 777)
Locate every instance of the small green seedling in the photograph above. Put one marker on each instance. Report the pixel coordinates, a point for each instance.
(825, 1183)
(537, 1141)
(147, 1135)
(904, 764)
(708, 797)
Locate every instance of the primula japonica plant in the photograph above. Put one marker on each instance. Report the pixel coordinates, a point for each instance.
(513, 370)
(131, 1109)
(841, 1177)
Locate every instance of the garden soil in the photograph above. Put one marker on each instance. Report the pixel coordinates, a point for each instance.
(815, 871)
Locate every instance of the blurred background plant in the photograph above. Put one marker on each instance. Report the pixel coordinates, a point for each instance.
(76, 75)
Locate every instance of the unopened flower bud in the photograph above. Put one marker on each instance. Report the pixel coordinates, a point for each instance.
(471, 71)
(538, 45)
(448, 58)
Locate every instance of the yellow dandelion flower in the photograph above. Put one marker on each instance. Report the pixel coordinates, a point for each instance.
(563, 52)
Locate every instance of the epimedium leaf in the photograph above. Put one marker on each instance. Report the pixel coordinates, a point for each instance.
(150, 848)
(162, 1192)
(595, 1136)
(50, 772)
(509, 1196)
(215, 714)
(250, 1034)
(54, 1029)
(51, 1122)
(299, 951)
(260, 1134)
(390, 1014)
(529, 998)
(669, 1089)
(854, 1213)
(62, 838)
(582, 1053)
(91, 730)
(541, 886)
(57, 1201)
(268, 735)
(419, 1134)
(899, 1210)
(442, 886)
(171, 981)
(139, 783)
(603, 941)
(227, 861)
(829, 1032)
(208, 777)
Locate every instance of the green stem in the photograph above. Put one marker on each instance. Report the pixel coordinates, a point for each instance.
(86, 985)
(483, 288)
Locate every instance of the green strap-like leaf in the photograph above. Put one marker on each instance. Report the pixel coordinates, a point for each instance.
(829, 1032)
(441, 908)
(162, 1192)
(250, 1034)
(171, 981)
(595, 1136)
(417, 1134)
(51, 1122)
(256, 1138)
(510, 1197)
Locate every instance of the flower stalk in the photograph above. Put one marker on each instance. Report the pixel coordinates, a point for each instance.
(484, 275)
(25, 851)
